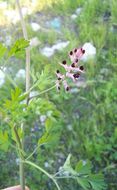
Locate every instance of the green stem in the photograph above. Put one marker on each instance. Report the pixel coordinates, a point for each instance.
(22, 176)
(34, 151)
(21, 166)
(44, 91)
(46, 173)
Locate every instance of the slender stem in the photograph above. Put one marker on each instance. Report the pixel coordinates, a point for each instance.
(66, 177)
(27, 49)
(44, 91)
(21, 167)
(22, 177)
(34, 151)
(46, 173)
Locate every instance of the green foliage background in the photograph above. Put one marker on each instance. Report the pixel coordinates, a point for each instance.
(82, 123)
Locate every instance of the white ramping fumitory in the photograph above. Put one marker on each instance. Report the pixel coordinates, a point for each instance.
(73, 71)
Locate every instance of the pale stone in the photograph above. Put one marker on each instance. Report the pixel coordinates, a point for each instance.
(34, 42)
(73, 16)
(35, 27)
(60, 45)
(12, 16)
(8, 40)
(3, 5)
(20, 74)
(47, 51)
(2, 78)
(90, 51)
(78, 10)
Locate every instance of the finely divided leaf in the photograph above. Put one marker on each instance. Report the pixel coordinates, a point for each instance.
(83, 167)
(19, 45)
(97, 182)
(83, 182)
(3, 49)
(4, 141)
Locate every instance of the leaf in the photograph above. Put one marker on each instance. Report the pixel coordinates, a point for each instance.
(19, 131)
(83, 182)
(83, 167)
(4, 142)
(15, 94)
(67, 166)
(19, 45)
(50, 123)
(46, 138)
(2, 50)
(97, 181)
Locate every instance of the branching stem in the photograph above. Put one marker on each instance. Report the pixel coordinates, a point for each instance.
(22, 177)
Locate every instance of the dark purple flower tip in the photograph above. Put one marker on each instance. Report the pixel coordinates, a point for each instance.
(59, 88)
(71, 52)
(73, 65)
(57, 71)
(76, 75)
(59, 78)
(68, 88)
(75, 50)
(76, 60)
(64, 62)
(83, 51)
(81, 68)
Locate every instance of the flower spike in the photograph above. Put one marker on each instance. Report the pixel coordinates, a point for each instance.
(73, 71)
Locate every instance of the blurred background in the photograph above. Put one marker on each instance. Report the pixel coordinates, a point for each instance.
(84, 121)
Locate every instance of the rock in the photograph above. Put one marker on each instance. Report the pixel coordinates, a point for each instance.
(69, 127)
(3, 5)
(46, 164)
(8, 40)
(2, 78)
(49, 51)
(78, 10)
(76, 14)
(12, 16)
(34, 42)
(35, 26)
(90, 51)
(55, 23)
(60, 45)
(20, 74)
(73, 16)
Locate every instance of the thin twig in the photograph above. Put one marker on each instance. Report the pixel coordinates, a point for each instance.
(34, 151)
(44, 91)
(42, 170)
(22, 177)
